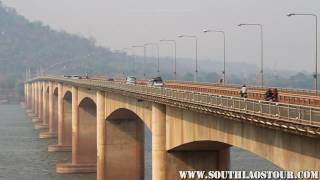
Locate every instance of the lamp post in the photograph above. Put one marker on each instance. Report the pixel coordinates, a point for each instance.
(175, 55)
(224, 51)
(261, 38)
(196, 52)
(144, 58)
(158, 55)
(315, 76)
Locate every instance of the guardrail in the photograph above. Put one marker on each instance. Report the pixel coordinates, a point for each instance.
(288, 112)
(237, 86)
(283, 97)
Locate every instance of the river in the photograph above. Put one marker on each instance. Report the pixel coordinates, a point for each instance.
(23, 156)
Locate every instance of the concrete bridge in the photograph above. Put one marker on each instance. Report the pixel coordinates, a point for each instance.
(103, 123)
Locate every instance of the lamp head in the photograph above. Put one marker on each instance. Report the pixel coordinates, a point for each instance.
(205, 30)
(291, 14)
(240, 25)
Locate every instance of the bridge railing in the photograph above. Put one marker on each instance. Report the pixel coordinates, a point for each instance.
(251, 87)
(286, 112)
(289, 112)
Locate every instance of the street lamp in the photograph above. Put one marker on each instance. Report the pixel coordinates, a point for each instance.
(158, 56)
(144, 58)
(175, 55)
(196, 49)
(224, 50)
(261, 37)
(316, 57)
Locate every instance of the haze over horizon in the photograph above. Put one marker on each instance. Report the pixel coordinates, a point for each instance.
(289, 42)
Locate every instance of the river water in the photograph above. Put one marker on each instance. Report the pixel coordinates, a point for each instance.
(23, 156)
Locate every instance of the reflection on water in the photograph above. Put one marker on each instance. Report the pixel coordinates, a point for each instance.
(23, 156)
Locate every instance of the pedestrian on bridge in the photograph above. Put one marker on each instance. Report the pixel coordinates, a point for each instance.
(243, 91)
(269, 95)
(275, 95)
(86, 75)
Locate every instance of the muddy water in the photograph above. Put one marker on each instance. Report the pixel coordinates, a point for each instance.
(23, 156)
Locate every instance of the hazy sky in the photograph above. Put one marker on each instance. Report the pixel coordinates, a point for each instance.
(289, 43)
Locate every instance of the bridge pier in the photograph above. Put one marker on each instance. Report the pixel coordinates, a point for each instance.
(44, 108)
(28, 96)
(159, 154)
(37, 103)
(28, 99)
(35, 117)
(52, 115)
(26, 106)
(32, 112)
(84, 146)
(101, 135)
(38, 124)
(64, 115)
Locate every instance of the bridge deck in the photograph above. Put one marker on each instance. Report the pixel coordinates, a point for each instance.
(291, 117)
(290, 96)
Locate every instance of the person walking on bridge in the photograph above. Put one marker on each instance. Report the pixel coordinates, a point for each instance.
(275, 95)
(243, 91)
(269, 95)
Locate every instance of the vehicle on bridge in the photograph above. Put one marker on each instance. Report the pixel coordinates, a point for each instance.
(131, 80)
(110, 79)
(73, 76)
(156, 82)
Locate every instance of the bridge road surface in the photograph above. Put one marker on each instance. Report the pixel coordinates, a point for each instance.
(290, 96)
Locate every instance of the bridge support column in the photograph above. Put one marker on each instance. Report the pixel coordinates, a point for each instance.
(44, 106)
(60, 147)
(75, 124)
(38, 103)
(38, 124)
(36, 112)
(101, 135)
(76, 166)
(27, 98)
(50, 133)
(30, 98)
(37, 99)
(31, 114)
(158, 141)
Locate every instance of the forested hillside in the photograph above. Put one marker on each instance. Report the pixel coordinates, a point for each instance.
(25, 44)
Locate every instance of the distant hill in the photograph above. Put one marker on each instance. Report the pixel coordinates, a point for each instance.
(25, 44)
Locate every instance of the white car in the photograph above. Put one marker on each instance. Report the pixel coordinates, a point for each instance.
(131, 80)
(156, 82)
(72, 76)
